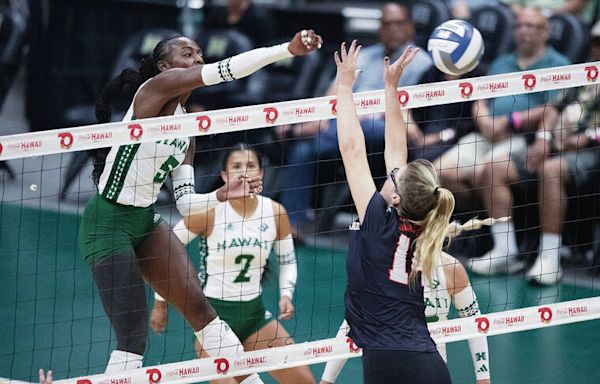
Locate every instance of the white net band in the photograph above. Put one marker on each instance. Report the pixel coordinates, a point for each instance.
(290, 112)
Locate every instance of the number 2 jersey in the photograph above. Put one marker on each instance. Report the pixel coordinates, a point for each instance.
(383, 310)
(134, 173)
(237, 251)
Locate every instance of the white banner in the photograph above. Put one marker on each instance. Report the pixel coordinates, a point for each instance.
(290, 112)
(314, 352)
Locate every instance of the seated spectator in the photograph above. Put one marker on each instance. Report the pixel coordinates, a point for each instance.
(584, 9)
(575, 137)
(243, 15)
(501, 122)
(463, 9)
(396, 32)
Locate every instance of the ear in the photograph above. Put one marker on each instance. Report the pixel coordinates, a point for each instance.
(395, 199)
(162, 65)
(224, 176)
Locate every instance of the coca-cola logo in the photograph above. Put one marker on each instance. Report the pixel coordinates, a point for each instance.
(483, 324)
(403, 97)
(351, 346)
(154, 375)
(529, 81)
(466, 90)
(333, 106)
(135, 131)
(204, 123)
(271, 114)
(84, 381)
(591, 72)
(0, 148)
(222, 365)
(545, 314)
(66, 140)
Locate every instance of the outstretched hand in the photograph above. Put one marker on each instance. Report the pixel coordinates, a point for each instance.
(304, 42)
(346, 64)
(393, 72)
(240, 186)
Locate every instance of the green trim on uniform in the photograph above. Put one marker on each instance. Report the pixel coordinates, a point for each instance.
(119, 170)
(109, 228)
(202, 269)
(244, 317)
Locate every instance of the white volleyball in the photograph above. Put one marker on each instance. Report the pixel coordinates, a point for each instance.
(456, 47)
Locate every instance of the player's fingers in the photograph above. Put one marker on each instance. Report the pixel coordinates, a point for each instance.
(344, 53)
(336, 58)
(356, 53)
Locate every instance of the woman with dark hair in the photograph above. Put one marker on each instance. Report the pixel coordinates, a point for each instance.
(236, 238)
(122, 237)
(392, 247)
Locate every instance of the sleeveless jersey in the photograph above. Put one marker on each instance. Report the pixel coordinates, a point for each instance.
(134, 173)
(437, 301)
(383, 310)
(238, 250)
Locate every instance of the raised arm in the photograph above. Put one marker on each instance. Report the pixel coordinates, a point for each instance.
(351, 139)
(174, 82)
(396, 151)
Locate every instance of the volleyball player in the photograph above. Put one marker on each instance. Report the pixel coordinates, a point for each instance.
(122, 237)
(393, 247)
(449, 284)
(239, 235)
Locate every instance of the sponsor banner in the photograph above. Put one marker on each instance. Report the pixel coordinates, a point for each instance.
(291, 112)
(322, 350)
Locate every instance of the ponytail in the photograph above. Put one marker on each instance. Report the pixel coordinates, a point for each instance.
(428, 246)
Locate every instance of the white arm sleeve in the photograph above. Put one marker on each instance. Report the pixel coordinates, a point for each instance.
(243, 64)
(189, 202)
(288, 272)
(466, 305)
(334, 367)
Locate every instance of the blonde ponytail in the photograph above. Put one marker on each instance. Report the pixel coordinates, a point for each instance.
(428, 246)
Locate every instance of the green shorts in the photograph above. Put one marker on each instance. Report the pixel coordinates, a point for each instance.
(244, 317)
(109, 228)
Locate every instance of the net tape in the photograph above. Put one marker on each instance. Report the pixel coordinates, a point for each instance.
(290, 112)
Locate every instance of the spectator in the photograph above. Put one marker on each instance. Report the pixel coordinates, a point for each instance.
(584, 9)
(501, 122)
(243, 15)
(463, 9)
(395, 34)
(575, 136)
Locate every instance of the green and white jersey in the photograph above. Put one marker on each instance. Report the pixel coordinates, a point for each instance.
(238, 250)
(134, 173)
(437, 301)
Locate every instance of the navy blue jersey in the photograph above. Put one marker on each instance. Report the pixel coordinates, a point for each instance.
(384, 310)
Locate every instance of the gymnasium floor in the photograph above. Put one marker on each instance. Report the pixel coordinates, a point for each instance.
(51, 315)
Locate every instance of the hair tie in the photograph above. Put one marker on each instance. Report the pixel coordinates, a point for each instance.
(436, 190)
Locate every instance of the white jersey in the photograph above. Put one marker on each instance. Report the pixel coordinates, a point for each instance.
(238, 250)
(134, 173)
(437, 301)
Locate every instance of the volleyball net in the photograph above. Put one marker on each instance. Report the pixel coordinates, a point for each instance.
(52, 312)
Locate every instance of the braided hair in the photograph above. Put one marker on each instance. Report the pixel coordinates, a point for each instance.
(132, 79)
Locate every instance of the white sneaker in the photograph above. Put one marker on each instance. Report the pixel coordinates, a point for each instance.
(496, 262)
(545, 270)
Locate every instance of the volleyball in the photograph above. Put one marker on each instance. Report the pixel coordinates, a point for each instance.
(455, 47)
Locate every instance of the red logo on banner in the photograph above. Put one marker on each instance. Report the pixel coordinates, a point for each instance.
(271, 114)
(483, 324)
(529, 82)
(204, 123)
(135, 131)
(0, 148)
(154, 375)
(545, 314)
(222, 365)
(333, 106)
(351, 346)
(66, 140)
(84, 381)
(466, 90)
(403, 97)
(592, 72)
